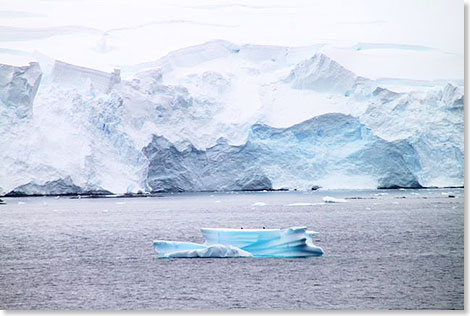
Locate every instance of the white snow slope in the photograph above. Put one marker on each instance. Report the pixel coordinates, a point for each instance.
(101, 132)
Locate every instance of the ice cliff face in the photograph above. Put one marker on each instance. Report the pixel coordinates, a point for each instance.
(18, 87)
(228, 117)
(221, 167)
(75, 132)
(433, 124)
(314, 152)
(56, 187)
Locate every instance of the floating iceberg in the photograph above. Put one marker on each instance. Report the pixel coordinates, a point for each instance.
(229, 243)
(329, 199)
(176, 249)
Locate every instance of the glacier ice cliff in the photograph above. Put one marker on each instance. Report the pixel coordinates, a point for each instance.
(221, 116)
(18, 88)
(72, 133)
(259, 243)
(317, 151)
(221, 167)
(55, 187)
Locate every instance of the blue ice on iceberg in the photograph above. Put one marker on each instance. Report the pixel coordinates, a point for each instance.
(229, 243)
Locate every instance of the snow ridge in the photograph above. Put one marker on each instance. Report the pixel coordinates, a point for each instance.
(322, 74)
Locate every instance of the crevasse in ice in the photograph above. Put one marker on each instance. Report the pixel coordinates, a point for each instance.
(226, 242)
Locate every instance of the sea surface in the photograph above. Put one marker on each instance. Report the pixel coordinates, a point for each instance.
(386, 249)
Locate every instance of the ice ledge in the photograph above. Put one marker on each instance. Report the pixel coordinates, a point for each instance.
(76, 76)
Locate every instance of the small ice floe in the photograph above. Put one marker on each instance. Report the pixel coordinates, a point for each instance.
(306, 204)
(449, 194)
(105, 211)
(329, 199)
(217, 201)
(368, 208)
(259, 204)
(120, 203)
(395, 203)
(21, 202)
(381, 193)
(57, 197)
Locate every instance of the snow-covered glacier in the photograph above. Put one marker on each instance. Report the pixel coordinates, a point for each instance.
(259, 243)
(221, 116)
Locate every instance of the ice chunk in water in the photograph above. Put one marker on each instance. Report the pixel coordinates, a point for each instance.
(329, 199)
(175, 249)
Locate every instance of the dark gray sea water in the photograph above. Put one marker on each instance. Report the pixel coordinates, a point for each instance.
(393, 249)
